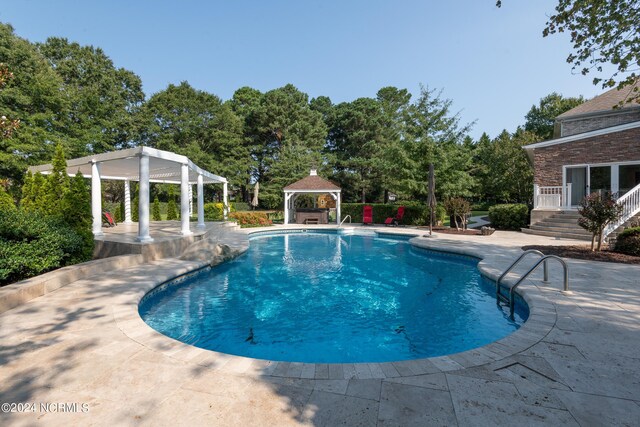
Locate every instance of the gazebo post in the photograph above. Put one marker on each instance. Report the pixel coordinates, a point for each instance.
(127, 202)
(287, 196)
(143, 197)
(96, 199)
(184, 199)
(338, 217)
(200, 202)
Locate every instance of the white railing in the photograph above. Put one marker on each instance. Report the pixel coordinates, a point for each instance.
(551, 197)
(630, 202)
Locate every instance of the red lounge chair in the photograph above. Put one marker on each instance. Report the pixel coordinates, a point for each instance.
(397, 219)
(108, 220)
(367, 215)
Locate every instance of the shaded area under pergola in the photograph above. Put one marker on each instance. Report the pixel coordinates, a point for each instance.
(143, 165)
(314, 185)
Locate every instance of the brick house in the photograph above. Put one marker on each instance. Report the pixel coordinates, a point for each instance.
(595, 148)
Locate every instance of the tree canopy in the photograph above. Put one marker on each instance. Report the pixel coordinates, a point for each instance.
(541, 118)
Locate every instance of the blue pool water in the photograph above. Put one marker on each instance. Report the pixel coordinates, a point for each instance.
(329, 298)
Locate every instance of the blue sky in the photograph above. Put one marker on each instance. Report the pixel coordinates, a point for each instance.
(492, 63)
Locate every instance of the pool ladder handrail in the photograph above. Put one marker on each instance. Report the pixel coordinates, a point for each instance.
(543, 260)
(344, 219)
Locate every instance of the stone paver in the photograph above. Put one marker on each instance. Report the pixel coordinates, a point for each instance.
(575, 362)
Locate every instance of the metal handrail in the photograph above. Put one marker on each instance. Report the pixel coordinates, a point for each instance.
(344, 219)
(524, 254)
(531, 270)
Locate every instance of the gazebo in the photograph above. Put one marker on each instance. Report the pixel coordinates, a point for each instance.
(312, 184)
(144, 165)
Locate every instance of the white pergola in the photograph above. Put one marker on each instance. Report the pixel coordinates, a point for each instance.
(312, 184)
(144, 165)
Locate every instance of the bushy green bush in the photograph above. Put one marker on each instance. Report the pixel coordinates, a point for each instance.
(509, 217)
(413, 214)
(6, 201)
(215, 211)
(241, 206)
(155, 212)
(172, 207)
(628, 242)
(32, 244)
(251, 219)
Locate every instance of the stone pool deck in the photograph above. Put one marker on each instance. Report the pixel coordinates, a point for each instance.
(575, 362)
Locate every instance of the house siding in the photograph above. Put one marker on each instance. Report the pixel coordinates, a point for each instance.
(614, 147)
(570, 127)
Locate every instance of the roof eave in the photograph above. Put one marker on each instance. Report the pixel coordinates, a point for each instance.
(579, 136)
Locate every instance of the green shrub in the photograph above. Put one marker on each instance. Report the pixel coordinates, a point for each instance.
(172, 207)
(251, 219)
(509, 217)
(241, 206)
(6, 201)
(413, 214)
(155, 211)
(214, 211)
(32, 244)
(628, 242)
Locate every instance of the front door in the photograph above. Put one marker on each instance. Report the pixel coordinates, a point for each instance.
(577, 177)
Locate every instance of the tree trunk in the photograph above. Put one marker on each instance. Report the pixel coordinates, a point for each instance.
(593, 241)
(455, 219)
(386, 196)
(363, 196)
(600, 238)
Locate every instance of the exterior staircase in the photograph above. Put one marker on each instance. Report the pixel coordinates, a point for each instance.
(563, 224)
(632, 222)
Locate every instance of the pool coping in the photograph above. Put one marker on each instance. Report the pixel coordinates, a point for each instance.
(542, 318)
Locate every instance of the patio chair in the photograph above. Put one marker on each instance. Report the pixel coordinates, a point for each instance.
(395, 220)
(367, 215)
(107, 219)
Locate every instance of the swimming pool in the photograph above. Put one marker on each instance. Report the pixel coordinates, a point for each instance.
(331, 298)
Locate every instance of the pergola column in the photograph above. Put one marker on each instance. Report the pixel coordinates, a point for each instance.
(190, 199)
(96, 199)
(127, 202)
(200, 202)
(143, 196)
(184, 199)
(225, 200)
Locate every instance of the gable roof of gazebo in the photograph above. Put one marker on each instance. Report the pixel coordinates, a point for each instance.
(312, 183)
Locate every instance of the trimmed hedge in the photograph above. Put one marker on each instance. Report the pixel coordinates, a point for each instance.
(215, 211)
(414, 214)
(241, 206)
(628, 242)
(251, 219)
(32, 244)
(509, 217)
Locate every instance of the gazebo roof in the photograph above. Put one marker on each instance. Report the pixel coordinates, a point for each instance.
(312, 183)
(164, 166)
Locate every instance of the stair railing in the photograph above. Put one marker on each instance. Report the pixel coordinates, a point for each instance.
(630, 202)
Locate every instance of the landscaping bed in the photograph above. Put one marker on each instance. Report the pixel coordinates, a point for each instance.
(447, 230)
(585, 253)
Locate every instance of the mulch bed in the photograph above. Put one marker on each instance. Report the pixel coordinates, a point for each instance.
(447, 230)
(584, 252)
